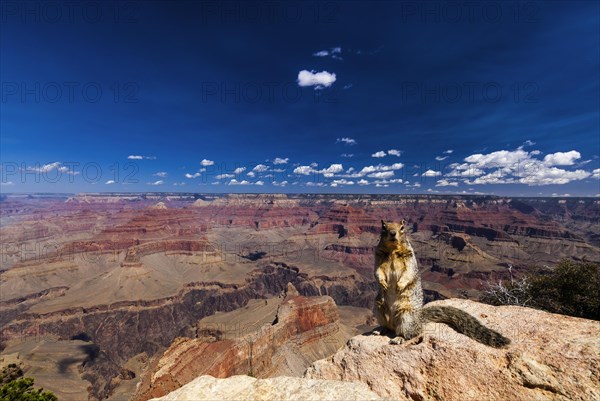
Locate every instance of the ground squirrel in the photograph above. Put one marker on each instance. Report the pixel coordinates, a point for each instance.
(399, 302)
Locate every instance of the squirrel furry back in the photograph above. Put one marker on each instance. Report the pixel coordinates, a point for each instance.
(399, 302)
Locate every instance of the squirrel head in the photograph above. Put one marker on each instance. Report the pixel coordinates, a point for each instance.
(392, 232)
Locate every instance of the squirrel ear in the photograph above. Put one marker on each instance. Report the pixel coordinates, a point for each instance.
(383, 224)
(403, 222)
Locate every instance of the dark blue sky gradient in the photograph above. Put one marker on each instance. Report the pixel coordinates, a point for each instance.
(182, 82)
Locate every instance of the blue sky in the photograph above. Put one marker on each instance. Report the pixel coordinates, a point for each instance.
(409, 97)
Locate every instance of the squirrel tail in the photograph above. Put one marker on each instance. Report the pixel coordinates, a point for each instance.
(465, 324)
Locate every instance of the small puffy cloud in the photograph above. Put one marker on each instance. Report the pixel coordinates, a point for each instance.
(334, 52)
(280, 184)
(336, 183)
(382, 174)
(279, 160)
(206, 162)
(363, 182)
(239, 170)
(195, 175)
(528, 143)
(260, 183)
(110, 182)
(394, 152)
(346, 140)
(304, 170)
(446, 183)
(161, 174)
(221, 176)
(596, 173)
(348, 86)
(260, 168)
(440, 158)
(447, 152)
(236, 182)
(319, 80)
(139, 157)
(159, 182)
(562, 158)
(331, 170)
(431, 173)
(381, 153)
(251, 174)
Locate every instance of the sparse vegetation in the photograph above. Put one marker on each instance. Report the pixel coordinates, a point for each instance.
(14, 387)
(571, 288)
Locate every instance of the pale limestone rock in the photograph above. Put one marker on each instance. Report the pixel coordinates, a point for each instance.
(552, 357)
(242, 388)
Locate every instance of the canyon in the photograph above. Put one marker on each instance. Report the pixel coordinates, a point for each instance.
(118, 282)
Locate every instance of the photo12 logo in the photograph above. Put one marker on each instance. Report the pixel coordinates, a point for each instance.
(69, 12)
(55, 172)
(68, 92)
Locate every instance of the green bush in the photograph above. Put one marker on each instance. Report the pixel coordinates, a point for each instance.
(572, 288)
(13, 387)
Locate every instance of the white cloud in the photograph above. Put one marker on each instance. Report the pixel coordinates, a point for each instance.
(304, 170)
(528, 143)
(346, 140)
(109, 182)
(431, 173)
(178, 184)
(394, 152)
(348, 86)
(319, 80)
(335, 183)
(519, 166)
(139, 157)
(221, 176)
(280, 184)
(446, 183)
(381, 153)
(331, 170)
(239, 170)
(562, 158)
(363, 182)
(596, 173)
(159, 182)
(392, 181)
(279, 160)
(206, 162)
(251, 174)
(440, 158)
(382, 174)
(347, 155)
(260, 183)
(260, 168)
(447, 152)
(236, 182)
(161, 174)
(334, 52)
(195, 175)
(315, 184)
(553, 175)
